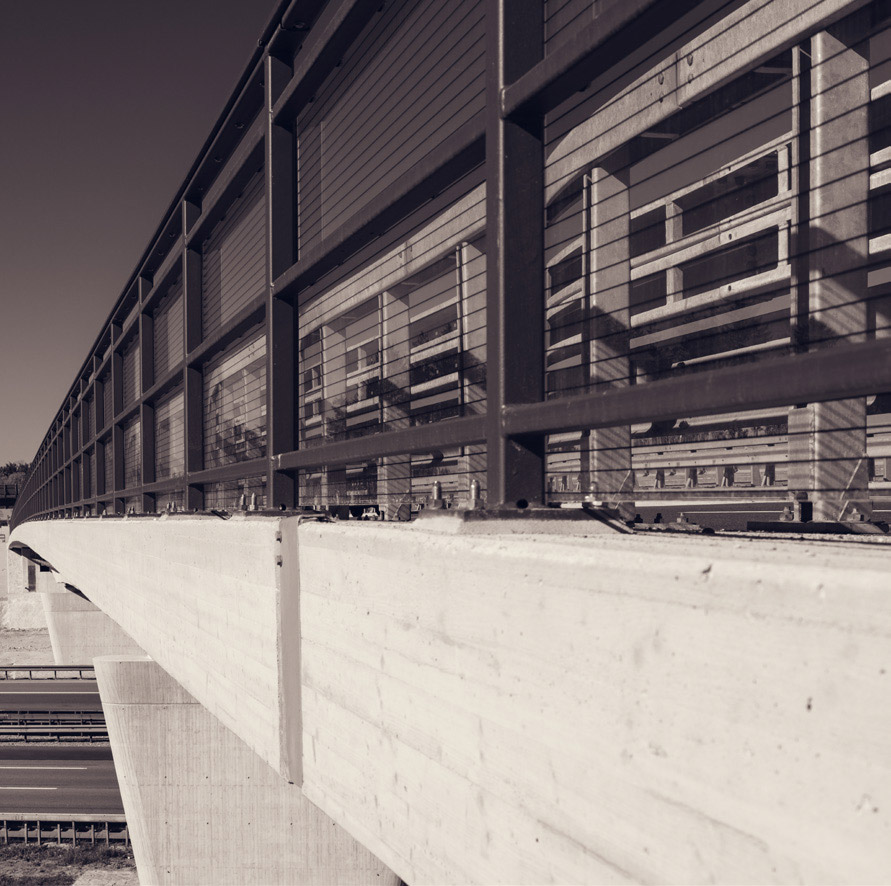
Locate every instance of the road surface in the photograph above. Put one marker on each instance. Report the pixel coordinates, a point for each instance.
(49, 695)
(59, 779)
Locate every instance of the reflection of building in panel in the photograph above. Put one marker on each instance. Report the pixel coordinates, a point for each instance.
(169, 445)
(412, 354)
(689, 266)
(235, 403)
(132, 453)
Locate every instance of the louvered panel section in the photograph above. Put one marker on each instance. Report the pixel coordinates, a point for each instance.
(91, 462)
(108, 456)
(88, 422)
(235, 404)
(564, 18)
(169, 438)
(107, 399)
(130, 372)
(413, 79)
(132, 454)
(234, 259)
(168, 331)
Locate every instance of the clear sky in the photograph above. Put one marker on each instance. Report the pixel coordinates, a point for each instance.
(104, 105)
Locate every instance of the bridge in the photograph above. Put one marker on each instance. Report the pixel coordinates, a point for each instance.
(342, 501)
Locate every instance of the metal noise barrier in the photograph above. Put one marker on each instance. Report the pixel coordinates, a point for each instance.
(665, 217)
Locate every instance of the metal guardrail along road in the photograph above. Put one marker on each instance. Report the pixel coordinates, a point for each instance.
(52, 718)
(46, 672)
(54, 733)
(17, 827)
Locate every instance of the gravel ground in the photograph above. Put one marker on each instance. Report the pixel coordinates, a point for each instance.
(23, 647)
(54, 865)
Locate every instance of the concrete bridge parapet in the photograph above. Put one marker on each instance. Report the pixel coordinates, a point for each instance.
(507, 708)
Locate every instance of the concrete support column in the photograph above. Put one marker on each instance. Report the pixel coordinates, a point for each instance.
(22, 611)
(202, 808)
(610, 283)
(79, 631)
(831, 443)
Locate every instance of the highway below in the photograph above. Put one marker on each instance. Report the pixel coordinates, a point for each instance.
(59, 778)
(56, 777)
(49, 695)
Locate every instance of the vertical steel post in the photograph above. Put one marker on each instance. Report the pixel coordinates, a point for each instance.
(281, 370)
(193, 381)
(117, 442)
(515, 246)
(147, 379)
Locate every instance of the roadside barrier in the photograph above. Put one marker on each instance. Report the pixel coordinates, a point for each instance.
(45, 672)
(52, 718)
(80, 732)
(40, 828)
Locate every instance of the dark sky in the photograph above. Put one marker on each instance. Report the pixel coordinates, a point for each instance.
(104, 104)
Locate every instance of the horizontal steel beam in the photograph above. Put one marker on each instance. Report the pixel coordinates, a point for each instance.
(604, 44)
(832, 374)
(422, 438)
(234, 471)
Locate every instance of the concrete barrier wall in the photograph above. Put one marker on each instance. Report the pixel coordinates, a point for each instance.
(199, 595)
(504, 710)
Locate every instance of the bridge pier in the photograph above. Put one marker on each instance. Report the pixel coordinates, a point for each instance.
(23, 609)
(201, 806)
(80, 631)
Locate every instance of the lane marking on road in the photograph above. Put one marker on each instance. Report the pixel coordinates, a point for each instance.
(43, 767)
(5, 788)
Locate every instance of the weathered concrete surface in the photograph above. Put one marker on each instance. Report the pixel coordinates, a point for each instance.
(202, 808)
(79, 631)
(502, 710)
(199, 594)
(531, 709)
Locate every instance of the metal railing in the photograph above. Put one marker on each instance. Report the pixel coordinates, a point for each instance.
(51, 718)
(47, 672)
(625, 86)
(57, 733)
(39, 828)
